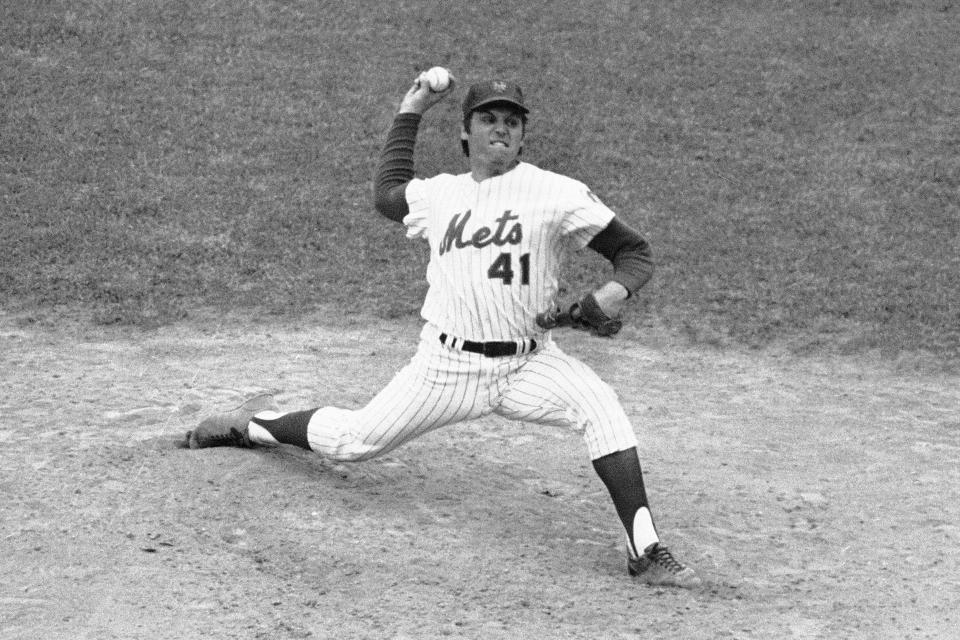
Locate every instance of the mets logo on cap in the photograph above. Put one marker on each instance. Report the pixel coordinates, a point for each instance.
(494, 91)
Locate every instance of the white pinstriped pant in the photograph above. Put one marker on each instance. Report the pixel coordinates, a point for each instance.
(442, 386)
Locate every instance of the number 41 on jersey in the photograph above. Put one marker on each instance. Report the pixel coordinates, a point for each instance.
(502, 269)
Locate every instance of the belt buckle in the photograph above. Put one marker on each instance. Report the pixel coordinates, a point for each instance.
(489, 350)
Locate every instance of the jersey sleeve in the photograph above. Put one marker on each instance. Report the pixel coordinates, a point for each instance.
(395, 167)
(417, 220)
(584, 215)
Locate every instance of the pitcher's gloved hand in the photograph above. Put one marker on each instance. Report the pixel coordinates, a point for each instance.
(585, 314)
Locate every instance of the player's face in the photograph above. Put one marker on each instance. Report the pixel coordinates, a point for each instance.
(495, 137)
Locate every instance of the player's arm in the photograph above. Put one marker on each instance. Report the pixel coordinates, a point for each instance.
(599, 310)
(395, 167)
(632, 260)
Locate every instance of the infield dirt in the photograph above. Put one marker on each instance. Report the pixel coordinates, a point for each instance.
(819, 496)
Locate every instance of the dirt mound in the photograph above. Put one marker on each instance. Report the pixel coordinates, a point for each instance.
(819, 497)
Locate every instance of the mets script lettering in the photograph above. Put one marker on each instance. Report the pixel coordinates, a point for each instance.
(483, 236)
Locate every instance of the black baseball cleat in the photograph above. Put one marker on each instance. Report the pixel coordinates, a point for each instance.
(230, 429)
(658, 567)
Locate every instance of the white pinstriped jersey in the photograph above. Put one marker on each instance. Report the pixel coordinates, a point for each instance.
(496, 249)
(497, 246)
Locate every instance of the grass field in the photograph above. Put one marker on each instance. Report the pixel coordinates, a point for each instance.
(796, 166)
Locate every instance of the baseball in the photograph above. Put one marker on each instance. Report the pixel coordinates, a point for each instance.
(437, 78)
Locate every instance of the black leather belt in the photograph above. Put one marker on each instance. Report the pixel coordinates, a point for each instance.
(490, 349)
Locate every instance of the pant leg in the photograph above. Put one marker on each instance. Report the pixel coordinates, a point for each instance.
(438, 387)
(556, 389)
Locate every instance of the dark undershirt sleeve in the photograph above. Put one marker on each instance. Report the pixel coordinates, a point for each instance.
(395, 167)
(628, 251)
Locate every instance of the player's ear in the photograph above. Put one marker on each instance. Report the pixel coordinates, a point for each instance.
(464, 145)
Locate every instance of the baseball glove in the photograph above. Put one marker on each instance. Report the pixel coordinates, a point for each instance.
(585, 314)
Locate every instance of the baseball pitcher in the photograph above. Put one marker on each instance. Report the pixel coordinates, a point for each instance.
(498, 235)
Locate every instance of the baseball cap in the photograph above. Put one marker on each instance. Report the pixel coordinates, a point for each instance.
(484, 93)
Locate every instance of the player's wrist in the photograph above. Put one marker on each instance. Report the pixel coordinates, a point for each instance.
(611, 297)
(411, 108)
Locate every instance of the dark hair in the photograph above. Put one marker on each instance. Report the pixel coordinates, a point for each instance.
(467, 118)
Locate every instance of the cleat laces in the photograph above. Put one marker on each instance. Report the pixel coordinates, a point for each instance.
(226, 439)
(230, 437)
(662, 556)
